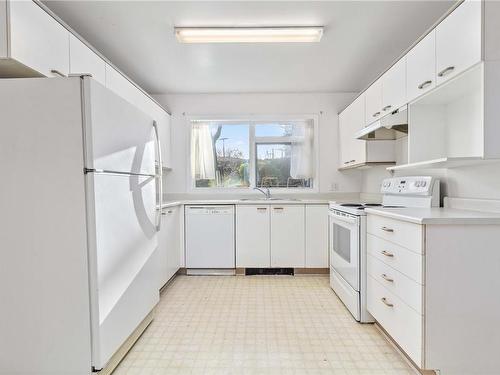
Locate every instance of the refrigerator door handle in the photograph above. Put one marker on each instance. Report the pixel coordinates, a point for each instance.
(105, 171)
(159, 178)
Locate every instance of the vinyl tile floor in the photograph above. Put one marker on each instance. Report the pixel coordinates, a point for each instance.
(258, 325)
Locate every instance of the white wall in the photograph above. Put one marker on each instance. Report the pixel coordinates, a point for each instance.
(474, 181)
(324, 105)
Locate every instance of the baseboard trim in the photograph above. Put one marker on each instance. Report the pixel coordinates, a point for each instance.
(407, 359)
(311, 271)
(127, 345)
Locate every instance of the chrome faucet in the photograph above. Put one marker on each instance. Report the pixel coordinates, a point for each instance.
(267, 192)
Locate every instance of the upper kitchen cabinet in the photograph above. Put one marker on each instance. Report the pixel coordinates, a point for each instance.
(458, 40)
(353, 152)
(38, 45)
(394, 87)
(421, 67)
(82, 60)
(351, 120)
(373, 97)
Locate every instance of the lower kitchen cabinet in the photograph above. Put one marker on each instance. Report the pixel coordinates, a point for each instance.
(429, 286)
(169, 244)
(316, 236)
(282, 236)
(287, 236)
(253, 249)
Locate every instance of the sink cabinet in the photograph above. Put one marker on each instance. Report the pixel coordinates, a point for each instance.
(253, 229)
(287, 236)
(282, 235)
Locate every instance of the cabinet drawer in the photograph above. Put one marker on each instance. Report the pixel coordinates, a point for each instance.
(397, 318)
(403, 260)
(402, 286)
(406, 234)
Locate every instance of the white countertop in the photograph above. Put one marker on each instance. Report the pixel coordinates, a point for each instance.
(437, 215)
(244, 201)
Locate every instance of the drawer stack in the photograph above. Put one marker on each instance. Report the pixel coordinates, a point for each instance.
(395, 283)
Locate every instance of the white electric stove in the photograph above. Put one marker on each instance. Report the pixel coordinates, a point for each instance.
(348, 236)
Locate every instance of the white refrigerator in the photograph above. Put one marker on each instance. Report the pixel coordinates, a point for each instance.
(80, 202)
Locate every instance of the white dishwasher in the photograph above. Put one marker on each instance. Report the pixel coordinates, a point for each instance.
(210, 244)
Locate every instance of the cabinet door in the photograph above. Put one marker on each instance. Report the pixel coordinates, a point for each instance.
(287, 236)
(117, 83)
(37, 40)
(317, 236)
(394, 87)
(173, 228)
(357, 154)
(421, 67)
(344, 139)
(83, 60)
(458, 40)
(252, 236)
(373, 99)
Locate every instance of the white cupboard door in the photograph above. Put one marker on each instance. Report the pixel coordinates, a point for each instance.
(394, 87)
(352, 120)
(173, 223)
(357, 147)
(421, 67)
(37, 40)
(82, 60)
(253, 236)
(458, 40)
(373, 99)
(116, 82)
(344, 139)
(317, 236)
(287, 236)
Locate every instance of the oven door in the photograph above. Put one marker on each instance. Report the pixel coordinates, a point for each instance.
(345, 246)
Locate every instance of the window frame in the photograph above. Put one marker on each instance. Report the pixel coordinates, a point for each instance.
(252, 120)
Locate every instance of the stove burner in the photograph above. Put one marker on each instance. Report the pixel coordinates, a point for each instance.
(351, 205)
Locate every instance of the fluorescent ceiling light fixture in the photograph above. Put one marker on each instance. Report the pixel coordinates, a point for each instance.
(298, 34)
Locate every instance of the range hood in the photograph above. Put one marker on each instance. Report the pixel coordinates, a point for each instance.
(387, 128)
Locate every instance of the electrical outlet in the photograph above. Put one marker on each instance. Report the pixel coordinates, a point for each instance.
(334, 186)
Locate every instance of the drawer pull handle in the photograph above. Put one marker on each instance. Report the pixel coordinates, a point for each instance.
(279, 208)
(166, 212)
(387, 254)
(384, 300)
(386, 278)
(385, 229)
(386, 108)
(423, 85)
(445, 71)
(261, 208)
(376, 114)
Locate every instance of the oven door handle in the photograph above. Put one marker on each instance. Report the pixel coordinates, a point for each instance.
(343, 219)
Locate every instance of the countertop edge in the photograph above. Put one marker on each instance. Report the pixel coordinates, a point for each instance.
(486, 220)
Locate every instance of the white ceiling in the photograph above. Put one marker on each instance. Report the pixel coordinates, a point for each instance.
(361, 39)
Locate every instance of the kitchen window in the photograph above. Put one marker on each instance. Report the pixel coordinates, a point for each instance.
(247, 154)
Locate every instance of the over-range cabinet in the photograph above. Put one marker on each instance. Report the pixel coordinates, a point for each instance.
(79, 198)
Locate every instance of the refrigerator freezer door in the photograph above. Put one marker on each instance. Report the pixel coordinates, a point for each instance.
(118, 136)
(124, 284)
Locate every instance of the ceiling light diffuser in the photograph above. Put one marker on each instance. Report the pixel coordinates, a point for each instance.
(299, 34)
